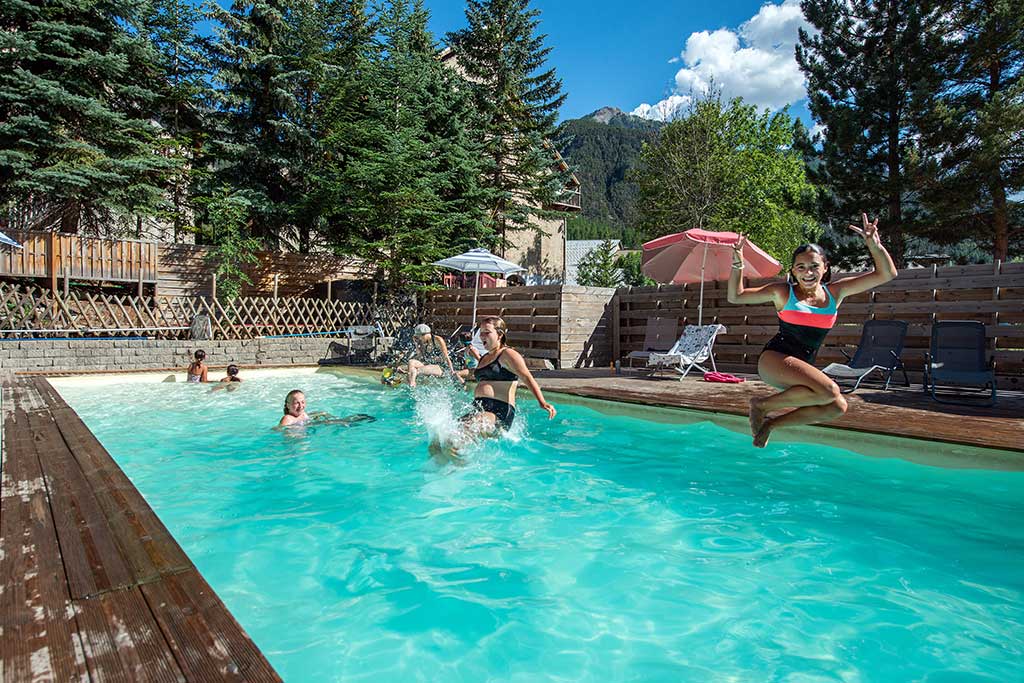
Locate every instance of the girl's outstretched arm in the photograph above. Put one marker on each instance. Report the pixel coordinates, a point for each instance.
(738, 294)
(515, 359)
(885, 268)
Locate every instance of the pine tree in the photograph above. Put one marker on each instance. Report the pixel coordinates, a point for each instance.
(870, 67)
(973, 131)
(262, 150)
(183, 101)
(76, 109)
(503, 58)
(598, 267)
(403, 172)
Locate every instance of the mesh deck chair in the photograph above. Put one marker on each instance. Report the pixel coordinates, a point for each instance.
(696, 346)
(957, 362)
(879, 349)
(658, 337)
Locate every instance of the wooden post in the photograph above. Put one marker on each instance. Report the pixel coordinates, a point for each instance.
(275, 286)
(213, 287)
(616, 323)
(139, 244)
(67, 276)
(53, 262)
(329, 281)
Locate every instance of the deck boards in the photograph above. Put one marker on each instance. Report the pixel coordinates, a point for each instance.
(897, 412)
(94, 587)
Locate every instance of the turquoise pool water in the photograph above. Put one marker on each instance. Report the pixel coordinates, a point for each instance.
(587, 548)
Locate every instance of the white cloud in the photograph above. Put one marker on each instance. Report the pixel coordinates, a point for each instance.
(755, 62)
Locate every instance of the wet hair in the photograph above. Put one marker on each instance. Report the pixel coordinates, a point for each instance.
(814, 249)
(199, 355)
(499, 326)
(232, 370)
(288, 398)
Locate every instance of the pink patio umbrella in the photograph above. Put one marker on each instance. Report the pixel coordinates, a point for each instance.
(702, 256)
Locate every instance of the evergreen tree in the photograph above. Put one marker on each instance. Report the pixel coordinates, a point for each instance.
(261, 67)
(726, 167)
(598, 269)
(869, 68)
(503, 58)
(631, 266)
(973, 131)
(404, 169)
(76, 109)
(183, 102)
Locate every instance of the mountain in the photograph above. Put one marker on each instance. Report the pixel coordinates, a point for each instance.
(602, 147)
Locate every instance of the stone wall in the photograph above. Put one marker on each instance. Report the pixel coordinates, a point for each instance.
(98, 355)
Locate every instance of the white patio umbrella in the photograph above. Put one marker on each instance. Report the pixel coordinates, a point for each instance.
(479, 261)
(4, 239)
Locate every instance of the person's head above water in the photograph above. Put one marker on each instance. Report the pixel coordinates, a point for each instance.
(421, 330)
(199, 355)
(232, 370)
(810, 267)
(492, 332)
(295, 403)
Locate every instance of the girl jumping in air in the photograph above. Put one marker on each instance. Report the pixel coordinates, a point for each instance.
(806, 304)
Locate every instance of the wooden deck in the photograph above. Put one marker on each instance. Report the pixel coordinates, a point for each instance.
(898, 412)
(94, 587)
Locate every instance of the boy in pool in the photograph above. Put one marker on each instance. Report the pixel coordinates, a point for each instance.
(230, 382)
(295, 414)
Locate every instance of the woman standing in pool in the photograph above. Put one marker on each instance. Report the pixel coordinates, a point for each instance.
(498, 375)
(806, 305)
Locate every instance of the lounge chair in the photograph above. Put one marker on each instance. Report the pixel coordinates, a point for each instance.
(658, 337)
(363, 343)
(694, 347)
(879, 349)
(957, 362)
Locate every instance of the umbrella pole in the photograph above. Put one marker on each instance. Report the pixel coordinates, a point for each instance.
(476, 288)
(700, 306)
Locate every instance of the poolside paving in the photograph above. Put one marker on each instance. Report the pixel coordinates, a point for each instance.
(94, 587)
(900, 411)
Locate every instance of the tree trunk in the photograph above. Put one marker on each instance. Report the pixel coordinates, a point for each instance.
(69, 218)
(1000, 221)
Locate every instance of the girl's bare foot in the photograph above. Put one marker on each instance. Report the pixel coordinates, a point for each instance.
(757, 416)
(763, 434)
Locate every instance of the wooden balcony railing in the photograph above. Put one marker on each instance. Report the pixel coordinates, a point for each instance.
(56, 255)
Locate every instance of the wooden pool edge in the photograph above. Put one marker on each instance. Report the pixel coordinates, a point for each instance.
(94, 586)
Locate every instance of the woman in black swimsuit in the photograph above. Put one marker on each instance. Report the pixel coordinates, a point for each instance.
(498, 376)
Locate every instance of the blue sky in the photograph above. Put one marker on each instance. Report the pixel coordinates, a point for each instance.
(626, 54)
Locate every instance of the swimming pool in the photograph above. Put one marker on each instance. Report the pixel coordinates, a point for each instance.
(593, 547)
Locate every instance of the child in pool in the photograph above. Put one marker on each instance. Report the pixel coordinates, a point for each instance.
(295, 414)
(196, 371)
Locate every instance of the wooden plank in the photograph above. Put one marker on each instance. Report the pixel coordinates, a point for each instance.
(122, 640)
(39, 639)
(207, 642)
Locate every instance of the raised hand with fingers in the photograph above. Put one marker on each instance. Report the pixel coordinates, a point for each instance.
(869, 231)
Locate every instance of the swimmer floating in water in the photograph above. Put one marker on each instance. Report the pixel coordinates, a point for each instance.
(295, 414)
(494, 401)
(807, 306)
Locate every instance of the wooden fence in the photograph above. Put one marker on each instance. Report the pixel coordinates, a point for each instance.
(56, 256)
(39, 312)
(990, 293)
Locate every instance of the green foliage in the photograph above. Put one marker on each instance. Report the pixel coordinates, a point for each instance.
(401, 181)
(871, 69)
(629, 264)
(582, 228)
(973, 159)
(75, 104)
(229, 214)
(726, 167)
(518, 97)
(598, 267)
